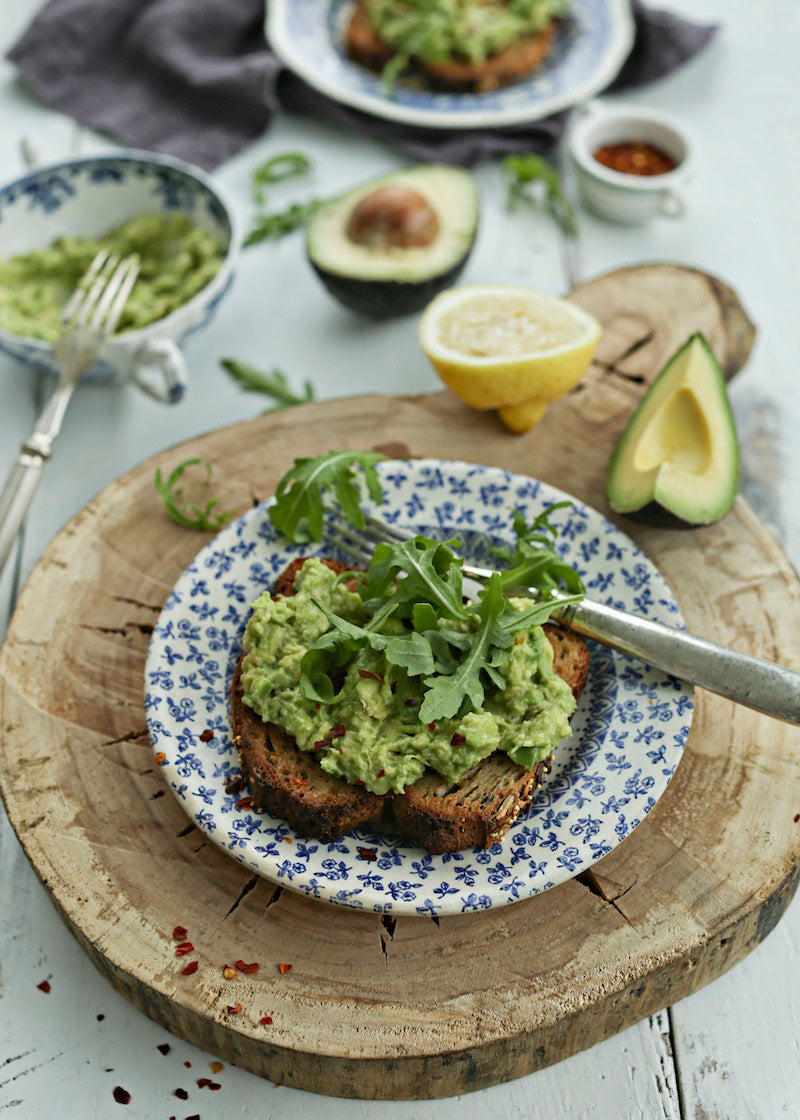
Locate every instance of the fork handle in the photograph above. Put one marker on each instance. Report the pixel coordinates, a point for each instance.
(763, 685)
(16, 497)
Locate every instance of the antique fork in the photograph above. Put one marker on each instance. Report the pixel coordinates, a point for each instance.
(763, 685)
(88, 321)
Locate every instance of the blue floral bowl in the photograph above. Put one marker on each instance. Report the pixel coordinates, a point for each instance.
(89, 196)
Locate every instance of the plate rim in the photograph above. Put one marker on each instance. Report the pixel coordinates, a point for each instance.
(621, 42)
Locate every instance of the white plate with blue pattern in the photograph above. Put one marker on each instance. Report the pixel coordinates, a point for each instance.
(588, 52)
(629, 730)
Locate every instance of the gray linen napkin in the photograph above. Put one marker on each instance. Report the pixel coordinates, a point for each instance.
(196, 78)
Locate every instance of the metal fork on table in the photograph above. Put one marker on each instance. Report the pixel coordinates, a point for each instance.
(763, 685)
(88, 321)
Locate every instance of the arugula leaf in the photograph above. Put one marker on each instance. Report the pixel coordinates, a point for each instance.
(190, 516)
(534, 562)
(298, 511)
(274, 384)
(274, 226)
(276, 169)
(431, 574)
(522, 171)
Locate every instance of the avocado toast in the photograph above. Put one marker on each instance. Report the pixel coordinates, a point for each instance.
(441, 813)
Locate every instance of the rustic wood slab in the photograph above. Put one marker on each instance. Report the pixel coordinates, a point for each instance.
(374, 1006)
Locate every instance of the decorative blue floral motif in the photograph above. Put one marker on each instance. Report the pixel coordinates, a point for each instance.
(629, 731)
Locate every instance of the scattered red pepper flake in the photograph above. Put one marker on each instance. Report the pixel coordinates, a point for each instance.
(160, 757)
(216, 1067)
(287, 840)
(381, 772)
(180, 933)
(188, 1065)
(320, 743)
(338, 731)
(234, 1010)
(213, 1086)
(206, 736)
(229, 972)
(284, 968)
(457, 739)
(164, 1048)
(44, 986)
(431, 726)
(234, 785)
(796, 817)
(368, 673)
(369, 854)
(519, 640)
(244, 803)
(266, 1020)
(190, 969)
(202, 1082)
(121, 1096)
(254, 967)
(181, 1094)
(184, 948)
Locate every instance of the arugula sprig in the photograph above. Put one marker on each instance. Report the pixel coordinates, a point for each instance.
(533, 562)
(273, 384)
(273, 225)
(187, 514)
(523, 174)
(298, 510)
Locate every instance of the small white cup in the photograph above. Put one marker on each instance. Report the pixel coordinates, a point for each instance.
(90, 195)
(615, 195)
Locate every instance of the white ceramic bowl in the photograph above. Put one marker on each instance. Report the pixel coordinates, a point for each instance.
(89, 196)
(615, 195)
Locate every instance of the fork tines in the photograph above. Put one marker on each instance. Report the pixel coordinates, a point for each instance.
(100, 297)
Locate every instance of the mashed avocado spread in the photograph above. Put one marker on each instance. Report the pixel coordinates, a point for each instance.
(372, 733)
(177, 260)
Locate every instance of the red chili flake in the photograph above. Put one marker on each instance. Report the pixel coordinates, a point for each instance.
(320, 743)
(244, 803)
(214, 1085)
(202, 1082)
(190, 969)
(284, 968)
(234, 785)
(368, 854)
(181, 1094)
(164, 1047)
(796, 817)
(381, 772)
(457, 739)
(206, 736)
(160, 757)
(188, 1065)
(44, 986)
(179, 933)
(184, 948)
(519, 640)
(337, 732)
(431, 726)
(194, 1116)
(216, 1067)
(254, 967)
(234, 1010)
(266, 1020)
(121, 1096)
(367, 673)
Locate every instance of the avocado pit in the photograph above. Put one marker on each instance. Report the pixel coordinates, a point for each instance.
(393, 217)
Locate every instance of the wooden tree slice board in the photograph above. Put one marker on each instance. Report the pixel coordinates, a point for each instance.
(375, 1007)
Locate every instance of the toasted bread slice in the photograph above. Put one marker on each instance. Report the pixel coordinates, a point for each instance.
(438, 815)
(364, 45)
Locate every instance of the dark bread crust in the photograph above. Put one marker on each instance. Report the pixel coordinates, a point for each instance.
(438, 815)
(515, 62)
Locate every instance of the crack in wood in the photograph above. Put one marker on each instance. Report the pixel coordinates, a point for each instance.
(276, 894)
(137, 603)
(589, 880)
(185, 831)
(612, 367)
(243, 893)
(157, 794)
(144, 628)
(389, 923)
(129, 737)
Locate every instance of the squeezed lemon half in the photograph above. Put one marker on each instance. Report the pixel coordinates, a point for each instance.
(510, 348)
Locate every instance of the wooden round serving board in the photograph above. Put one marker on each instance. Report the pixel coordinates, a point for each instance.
(409, 1007)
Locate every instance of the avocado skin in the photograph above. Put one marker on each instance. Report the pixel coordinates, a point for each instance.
(387, 299)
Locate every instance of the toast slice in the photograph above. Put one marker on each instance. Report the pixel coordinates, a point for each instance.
(438, 815)
(364, 45)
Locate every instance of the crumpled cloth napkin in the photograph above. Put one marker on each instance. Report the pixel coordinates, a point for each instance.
(196, 79)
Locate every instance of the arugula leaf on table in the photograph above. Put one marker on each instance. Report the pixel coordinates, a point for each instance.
(298, 511)
(522, 171)
(274, 226)
(274, 384)
(271, 226)
(287, 165)
(188, 515)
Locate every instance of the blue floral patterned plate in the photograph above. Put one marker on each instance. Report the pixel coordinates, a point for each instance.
(589, 50)
(629, 730)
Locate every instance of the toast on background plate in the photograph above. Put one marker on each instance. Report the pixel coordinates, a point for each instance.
(438, 815)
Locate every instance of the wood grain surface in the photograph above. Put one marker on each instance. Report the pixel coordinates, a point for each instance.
(413, 1007)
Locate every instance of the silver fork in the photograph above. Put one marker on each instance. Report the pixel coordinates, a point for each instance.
(88, 321)
(763, 685)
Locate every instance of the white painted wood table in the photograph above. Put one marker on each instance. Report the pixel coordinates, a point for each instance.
(729, 1051)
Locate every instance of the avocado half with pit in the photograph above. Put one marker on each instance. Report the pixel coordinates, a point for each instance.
(680, 448)
(385, 248)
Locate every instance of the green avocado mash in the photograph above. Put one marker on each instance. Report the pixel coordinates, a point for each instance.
(177, 259)
(440, 30)
(372, 733)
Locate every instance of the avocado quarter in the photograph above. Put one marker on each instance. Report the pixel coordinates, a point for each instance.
(386, 247)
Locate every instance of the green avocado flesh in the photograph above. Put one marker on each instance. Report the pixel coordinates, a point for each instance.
(680, 449)
(372, 735)
(386, 281)
(177, 260)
